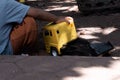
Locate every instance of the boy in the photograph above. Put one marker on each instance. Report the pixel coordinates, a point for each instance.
(18, 28)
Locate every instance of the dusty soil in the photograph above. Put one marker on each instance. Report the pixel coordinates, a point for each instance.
(93, 27)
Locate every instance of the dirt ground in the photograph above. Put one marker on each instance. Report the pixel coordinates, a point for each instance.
(94, 27)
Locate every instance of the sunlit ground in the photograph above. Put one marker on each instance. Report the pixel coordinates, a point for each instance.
(70, 6)
(89, 32)
(98, 73)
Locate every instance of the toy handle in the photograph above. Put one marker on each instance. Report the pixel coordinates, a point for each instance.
(71, 21)
(68, 18)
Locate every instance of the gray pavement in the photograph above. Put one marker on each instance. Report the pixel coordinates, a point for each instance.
(59, 68)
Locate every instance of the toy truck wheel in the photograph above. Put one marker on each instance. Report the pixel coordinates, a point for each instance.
(54, 52)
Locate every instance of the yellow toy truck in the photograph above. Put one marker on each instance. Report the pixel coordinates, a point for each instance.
(57, 35)
(22, 1)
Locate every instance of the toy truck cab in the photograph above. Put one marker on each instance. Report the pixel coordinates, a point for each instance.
(57, 35)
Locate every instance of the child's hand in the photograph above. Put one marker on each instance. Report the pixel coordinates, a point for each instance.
(63, 19)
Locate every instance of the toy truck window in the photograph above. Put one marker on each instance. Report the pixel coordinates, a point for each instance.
(46, 33)
(50, 33)
(58, 32)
